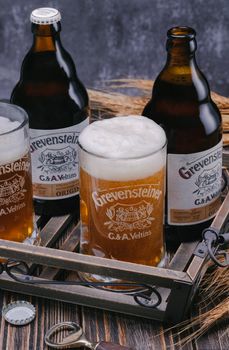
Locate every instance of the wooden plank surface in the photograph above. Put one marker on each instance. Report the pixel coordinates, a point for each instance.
(139, 333)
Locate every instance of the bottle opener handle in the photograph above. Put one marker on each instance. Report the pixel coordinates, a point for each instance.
(111, 346)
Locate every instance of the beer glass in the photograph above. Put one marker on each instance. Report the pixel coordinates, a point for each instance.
(16, 207)
(122, 175)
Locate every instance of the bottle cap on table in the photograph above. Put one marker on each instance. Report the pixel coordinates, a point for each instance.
(45, 15)
(19, 312)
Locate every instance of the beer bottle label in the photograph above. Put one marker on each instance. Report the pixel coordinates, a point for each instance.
(194, 186)
(54, 154)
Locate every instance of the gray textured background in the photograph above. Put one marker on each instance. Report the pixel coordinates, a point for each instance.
(119, 38)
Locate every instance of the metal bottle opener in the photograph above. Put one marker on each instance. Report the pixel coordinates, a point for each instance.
(77, 339)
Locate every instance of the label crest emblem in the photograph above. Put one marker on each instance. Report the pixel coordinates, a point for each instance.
(129, 217)
(57, 160)
(11, 190)
(208, 181)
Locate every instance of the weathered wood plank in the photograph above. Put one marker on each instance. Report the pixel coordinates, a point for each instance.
(53, 229)
(144, 334)
(41, 221)
(182, 256)
(51, 232)
(84, 296)
(31, 337)
(86, 263)
(141, 334)
(70, 244)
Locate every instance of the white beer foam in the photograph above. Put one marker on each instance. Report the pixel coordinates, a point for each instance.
(12, 145)
(123, 148)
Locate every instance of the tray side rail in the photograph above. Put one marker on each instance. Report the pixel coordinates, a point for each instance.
(86, 263)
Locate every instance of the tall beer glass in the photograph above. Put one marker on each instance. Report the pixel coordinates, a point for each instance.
(122, 173)
(16, 206)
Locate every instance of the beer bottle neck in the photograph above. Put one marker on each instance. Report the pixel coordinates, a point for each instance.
(181, 46)
(45, 37)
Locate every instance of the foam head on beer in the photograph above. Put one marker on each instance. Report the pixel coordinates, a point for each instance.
(12, 145)
(122, 148)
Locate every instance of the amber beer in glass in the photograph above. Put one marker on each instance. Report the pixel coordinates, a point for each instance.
(122, 171)
(16, 206)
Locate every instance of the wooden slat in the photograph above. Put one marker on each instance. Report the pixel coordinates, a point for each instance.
(182, 256)
(50, 233)
(85, 263)
(84, 296)
(53, 229)
(70, 244)
(37, 218)
(41, 220)
(197, 265)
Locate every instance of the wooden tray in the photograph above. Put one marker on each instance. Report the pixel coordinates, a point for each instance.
(56, 258)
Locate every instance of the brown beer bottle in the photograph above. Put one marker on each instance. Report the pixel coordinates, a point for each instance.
(57, 104)
(182, 105)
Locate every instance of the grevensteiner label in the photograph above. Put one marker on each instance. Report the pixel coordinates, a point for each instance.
(54, 155)
(128, 213)
(194, 186)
